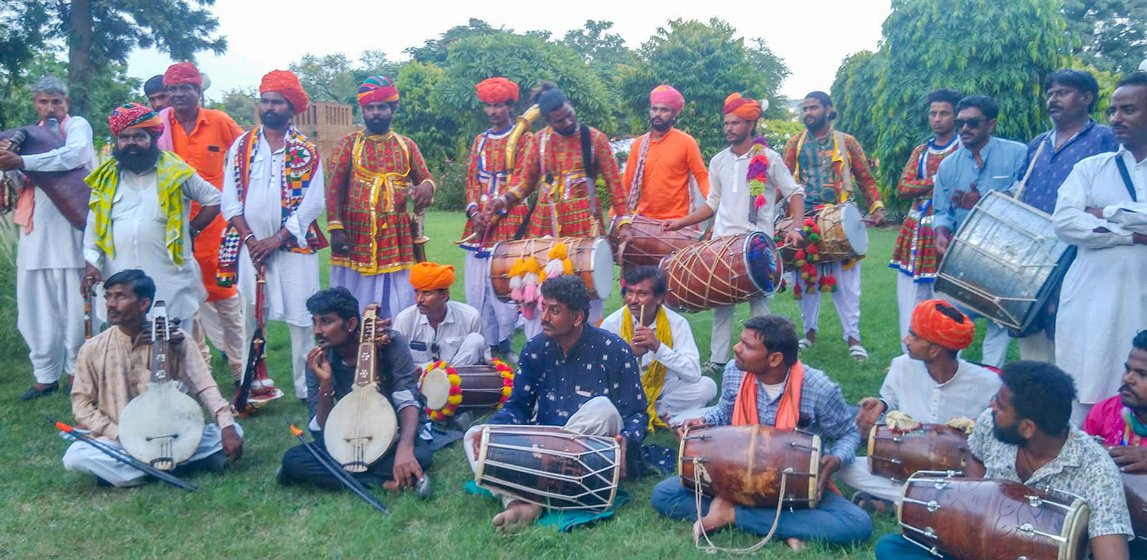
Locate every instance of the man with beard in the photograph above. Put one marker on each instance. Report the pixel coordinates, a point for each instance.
(831, 166)
(1071, 97)
(114, 367)
(1025, 437)
(488, 177)
(201, 137)
(665, 173)
(1121, 421)
(272, 195)
(373, 175)
(1100, 209)
(915, 253)
(138, 217)
(156, 94)
(49, 253)
(330, 377)
(741, 206)
(982, 163)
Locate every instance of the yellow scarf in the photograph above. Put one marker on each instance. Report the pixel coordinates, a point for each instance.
(171, 172)
(653, 380)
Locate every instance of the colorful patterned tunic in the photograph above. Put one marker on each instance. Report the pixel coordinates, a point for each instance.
(826, 169)
(367, 191)
(915, 250)
(488, 177)
(558, 161)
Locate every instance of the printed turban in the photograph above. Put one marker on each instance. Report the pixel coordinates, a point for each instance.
(938, 322)
(183, 73)
(428, 276)
(134, 115)
(375, 89)
(497, 90)
(286, 83)
(666, 95)
(743, 107)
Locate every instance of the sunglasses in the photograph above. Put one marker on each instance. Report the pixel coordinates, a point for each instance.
(970, 123)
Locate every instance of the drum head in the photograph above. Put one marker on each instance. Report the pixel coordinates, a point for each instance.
(435, 388)
(602, 268)
(763, 262)
(854, 230)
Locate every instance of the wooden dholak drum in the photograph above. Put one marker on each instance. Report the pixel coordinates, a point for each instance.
(648, 242)
(591, 258)
(477, 386)
(988, 519)
(1135, 487)
(723, 271)
(843, 235)
(549, 466)
(744, 464)
(899, 454)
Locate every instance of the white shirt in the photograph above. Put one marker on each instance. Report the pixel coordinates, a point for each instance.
(909, 389)
(139, 230)
(53, 241)
(683, 360)
(729, 192)
(460, 321)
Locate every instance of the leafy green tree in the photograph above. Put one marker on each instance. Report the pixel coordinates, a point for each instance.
(435, 51)
(1110, 35)
(23, 33)
(436, 133)
(240, 104)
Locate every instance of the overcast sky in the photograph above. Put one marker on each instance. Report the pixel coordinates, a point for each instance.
(811, 37)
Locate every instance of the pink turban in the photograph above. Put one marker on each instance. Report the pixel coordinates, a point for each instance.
(666, 95)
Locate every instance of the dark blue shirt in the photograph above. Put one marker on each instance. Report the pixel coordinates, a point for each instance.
(1053, 166)
(550, 386)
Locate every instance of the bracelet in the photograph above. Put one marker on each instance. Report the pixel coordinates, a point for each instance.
(875, 206)
(334, 225)
(283, 239)
(327, 394)
(245, 238)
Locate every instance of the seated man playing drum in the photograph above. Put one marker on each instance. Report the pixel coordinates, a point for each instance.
(930, 384)
(577, 376)
(114, 367)
(663, 343)
(437, 328)
(768, 385)
(1025, 437)
(1121, 421)
(330, 376)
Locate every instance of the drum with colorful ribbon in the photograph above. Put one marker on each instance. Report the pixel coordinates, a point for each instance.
(447, 388)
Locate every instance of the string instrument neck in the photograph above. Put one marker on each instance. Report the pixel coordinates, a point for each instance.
(367, 351)
(160, 344)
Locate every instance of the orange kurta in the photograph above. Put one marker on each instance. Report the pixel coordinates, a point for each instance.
(205, 149)
(669, 163)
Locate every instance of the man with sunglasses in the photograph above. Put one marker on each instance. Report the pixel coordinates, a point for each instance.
(437, 328)
(983, 163)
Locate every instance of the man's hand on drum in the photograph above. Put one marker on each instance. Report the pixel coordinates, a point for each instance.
(673, 225)
(870, 410)
(943, 239)
(793, 238)
(681, 428)
(1129, 459)
(828, 465)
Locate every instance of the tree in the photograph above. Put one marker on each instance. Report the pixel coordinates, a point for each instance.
(435, 51)
(240, 104)
(854, 98)
(1107, 34)
(334, 78)
(23, 33)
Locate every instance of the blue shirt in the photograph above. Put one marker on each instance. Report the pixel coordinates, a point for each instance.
(823, 410)
(550, 386)
(1003, 160)
(1053, 166)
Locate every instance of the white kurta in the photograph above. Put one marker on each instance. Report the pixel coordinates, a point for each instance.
(458, 337)
(1103, 301)
(291, 277)
(139, 229)
(729, 192)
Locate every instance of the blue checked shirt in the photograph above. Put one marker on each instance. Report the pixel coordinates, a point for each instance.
(823, 410)
(1053, 166)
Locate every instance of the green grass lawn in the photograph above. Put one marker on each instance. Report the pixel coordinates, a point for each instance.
(46, 512)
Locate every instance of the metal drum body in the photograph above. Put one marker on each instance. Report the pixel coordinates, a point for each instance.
(549, 466)
(591, 258)
(744, 464)
(161, 427)
(648, 242)
(1004, 262)
(722, 271)
(931, 447)
(980, 519)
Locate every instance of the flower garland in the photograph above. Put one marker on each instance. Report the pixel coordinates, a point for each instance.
(806, 262)
(758, 173)
(455, 399)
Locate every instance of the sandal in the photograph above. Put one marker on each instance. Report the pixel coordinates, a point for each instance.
(858, 352)
(804, 344)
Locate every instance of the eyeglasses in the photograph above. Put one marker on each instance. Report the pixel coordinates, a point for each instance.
(435, 351)
(970, 123)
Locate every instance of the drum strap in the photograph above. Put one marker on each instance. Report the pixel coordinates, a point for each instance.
(701, 474)
(1126, 177)
(591, 178)
(1024, 182)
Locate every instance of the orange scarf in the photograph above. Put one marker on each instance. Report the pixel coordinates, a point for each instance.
(788, 413)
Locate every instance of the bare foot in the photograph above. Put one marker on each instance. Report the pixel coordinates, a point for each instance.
(811, 336)
(722, 513)
(517, 515)
(796, 544)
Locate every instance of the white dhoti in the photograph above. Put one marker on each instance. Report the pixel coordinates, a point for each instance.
(723, 327)
(391, 290)
(859, 477)
(846, 300)
(498, 318)
(50, 317)
(909, 292)
(81, 457)
(680, 397)
(222, 322)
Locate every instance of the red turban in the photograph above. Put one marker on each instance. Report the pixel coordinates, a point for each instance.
(428, 276)
(286, 83)
(666, 95)
(938, 322)
(743, 107)
(497, 90)
(183, 73)
(375, 89)
(134, 115)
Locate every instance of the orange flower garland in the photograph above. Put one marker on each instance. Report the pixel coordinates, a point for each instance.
(455, 399)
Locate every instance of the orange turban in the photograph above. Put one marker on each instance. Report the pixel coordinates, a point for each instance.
(428, 276)
(183, 73)
(938, 322)
(134, 115)
(286, 83)
(667, 95)
(497, 90)
(743, 107)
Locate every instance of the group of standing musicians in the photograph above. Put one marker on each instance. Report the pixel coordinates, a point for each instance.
(156, 205)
